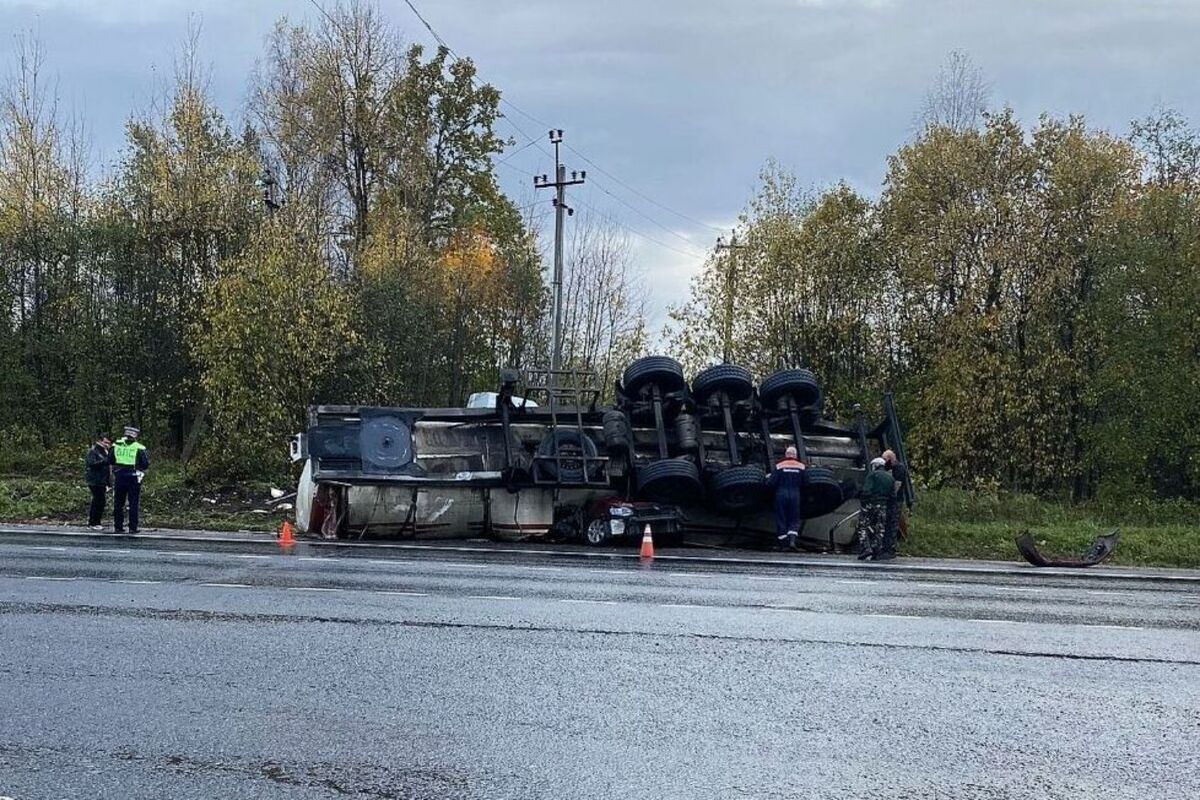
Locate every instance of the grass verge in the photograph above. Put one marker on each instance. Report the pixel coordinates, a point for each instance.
(168, 501)
(951, 523)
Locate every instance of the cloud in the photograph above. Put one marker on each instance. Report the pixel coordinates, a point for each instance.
(680, 99)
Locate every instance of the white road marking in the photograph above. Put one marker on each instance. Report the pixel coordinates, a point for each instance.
(187, 553)
(46, 578)
(1119, 627)
(997, 621)
(46, 547)
(249, 555)
(594, 602)
(893, 616)
(107, 550)
(402, 594)
(466, 566)
(680, 605)
(614, 571)
(687, 574)
(229, 585)
(857, 583)
(130, 580)
(546, 569)
(491, 597)
(312, 558)
(1110, 593)
(769, 578)
(312, 588)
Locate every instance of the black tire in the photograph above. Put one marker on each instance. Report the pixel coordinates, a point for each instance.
(645, 372)
(616, 432)
(570, 442)
(597, 532)
(799, 384)
(822, 493)
(738, 489)
(731, 379)
(671, 480)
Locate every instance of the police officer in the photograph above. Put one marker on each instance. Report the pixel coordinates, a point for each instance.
(872, 520)
(787, 481)
(130, 462)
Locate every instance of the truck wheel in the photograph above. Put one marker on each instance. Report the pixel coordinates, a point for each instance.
(571, 442)
(800, 384)
(597, 532)
(739, 488)
(734, 381)
(822, 493)
(661, 370)
(671, 480)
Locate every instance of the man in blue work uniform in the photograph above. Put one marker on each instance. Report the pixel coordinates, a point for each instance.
(787, 481)
(130, 462)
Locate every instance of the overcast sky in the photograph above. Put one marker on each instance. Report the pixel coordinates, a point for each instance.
(683, 100)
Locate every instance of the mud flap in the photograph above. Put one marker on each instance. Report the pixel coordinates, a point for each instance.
(1101, 549)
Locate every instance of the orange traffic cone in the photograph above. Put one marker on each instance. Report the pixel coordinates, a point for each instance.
(286, 539)
(647, 543)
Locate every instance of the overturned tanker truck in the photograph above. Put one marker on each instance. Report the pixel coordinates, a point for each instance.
(545, 460)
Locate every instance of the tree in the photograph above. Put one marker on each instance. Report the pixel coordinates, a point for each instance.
(47, 337)
(182, 202)
(604, 307)
(803, 289)
(959, 95)
(275, 335)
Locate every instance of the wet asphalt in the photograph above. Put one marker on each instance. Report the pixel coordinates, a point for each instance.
(188, 670)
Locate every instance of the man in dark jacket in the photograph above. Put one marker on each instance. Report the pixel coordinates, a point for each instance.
(130, 462)
(787, 481)
(97, 476)
(895, 510)
(872, 520)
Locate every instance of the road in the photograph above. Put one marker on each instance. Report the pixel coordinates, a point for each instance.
(151, 670)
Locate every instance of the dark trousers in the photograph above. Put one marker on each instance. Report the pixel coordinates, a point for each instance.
(126, 487)
(787, 516)
(892, 529)
(96, 509)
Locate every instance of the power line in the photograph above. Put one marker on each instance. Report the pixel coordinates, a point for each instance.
(691, 254)
(639, 234)
(641, 213)
(520, 149)
(645, 197)
(532, 140)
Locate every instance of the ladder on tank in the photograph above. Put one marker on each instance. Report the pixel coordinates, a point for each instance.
(566, 394)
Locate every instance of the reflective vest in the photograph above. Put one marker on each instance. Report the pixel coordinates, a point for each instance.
(125, 452)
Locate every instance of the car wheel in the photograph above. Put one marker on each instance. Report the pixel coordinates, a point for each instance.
(597, 532)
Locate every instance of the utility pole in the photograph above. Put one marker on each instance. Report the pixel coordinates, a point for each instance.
(730, 288)
(559, 184)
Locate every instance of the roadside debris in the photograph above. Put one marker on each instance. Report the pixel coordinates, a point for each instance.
(1100, 549)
